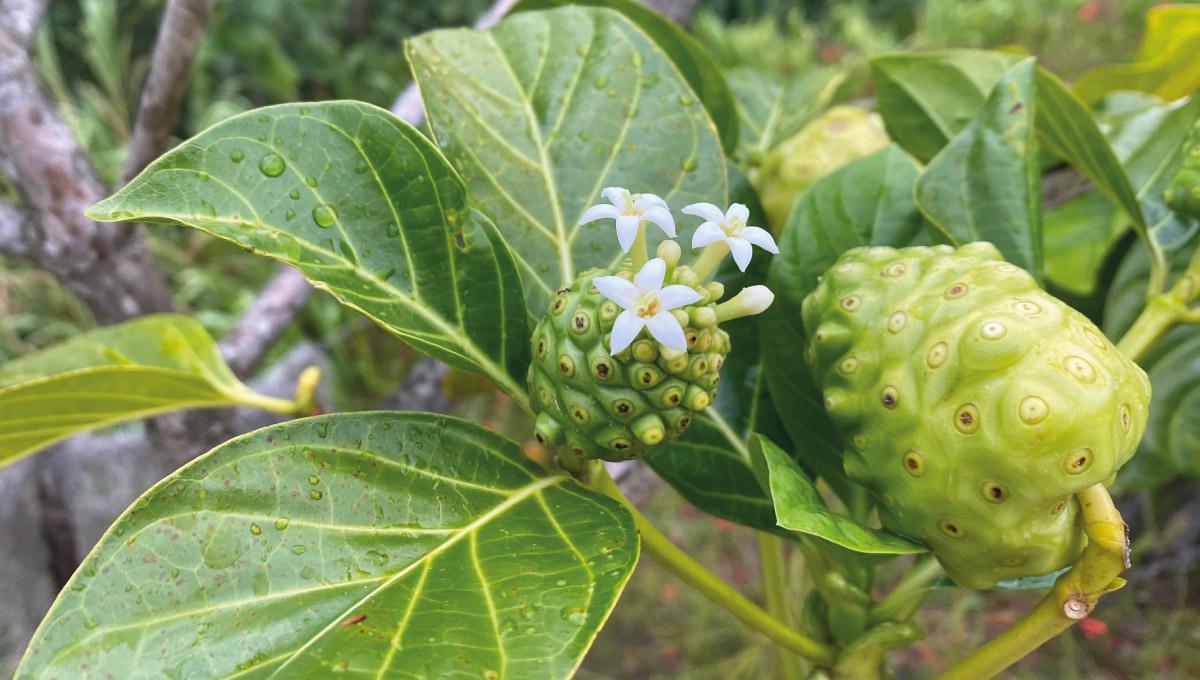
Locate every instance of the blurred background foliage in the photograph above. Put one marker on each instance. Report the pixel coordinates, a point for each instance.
(92, 56)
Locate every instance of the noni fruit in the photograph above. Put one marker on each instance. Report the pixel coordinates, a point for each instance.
(973, 404)
(616, 407)
(837, 137)
(1183, 194)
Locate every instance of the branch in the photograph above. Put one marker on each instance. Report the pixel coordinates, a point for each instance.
(15, 231)
(108, 266)
(179, 36)
(264, 322)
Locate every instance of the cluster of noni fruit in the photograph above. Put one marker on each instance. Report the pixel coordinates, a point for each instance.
(973, 404)
(625, 357)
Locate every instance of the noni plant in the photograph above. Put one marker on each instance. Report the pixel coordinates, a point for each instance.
(892, 386)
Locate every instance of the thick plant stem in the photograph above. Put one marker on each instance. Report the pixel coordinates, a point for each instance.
(685, 568)
(1096, 572)
(906, 597)
(774, 579)
(1159, 316)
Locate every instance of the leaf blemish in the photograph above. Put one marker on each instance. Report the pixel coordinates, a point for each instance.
(353, 620)
(1016, 108)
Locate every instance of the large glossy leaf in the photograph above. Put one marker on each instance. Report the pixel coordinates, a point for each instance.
(1171, 446)
(771, 111)
(983, 186)
(927, 98)
(1167, 63)
(366, 208)
(548, 108)
(799, 508)
(151, 365)
(694, 62)
(371, 544)
(866, 202)
(1078, 237)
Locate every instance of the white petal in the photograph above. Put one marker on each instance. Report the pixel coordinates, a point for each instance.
(666, 330)
(761, 238)
(647, 201)
(616, 195)
(705, 234)
(742, 252)
(651, 275)
(678, 296)
(599, 211)
(738, 212)
(661, 217)
(625, 329)
(617, 289)
(708, 211)
(627, 228)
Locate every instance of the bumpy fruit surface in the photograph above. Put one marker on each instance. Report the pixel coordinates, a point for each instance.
(837, 137)
(594, 405)
(974, 405)
(1183, 194)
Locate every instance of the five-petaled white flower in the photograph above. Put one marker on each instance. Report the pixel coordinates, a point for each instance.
(647, 305)
(629, 210)
(731, 228)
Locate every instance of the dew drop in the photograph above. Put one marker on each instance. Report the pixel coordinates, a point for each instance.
(393, 230)
(255, 529)
(289, 214)
(314, 480)
(315, 495)
(574, 615)
(311, 181)
(237, 156)
(689, 164)
(299, 549)
(294, 194)
(282, 523)
(272, 165)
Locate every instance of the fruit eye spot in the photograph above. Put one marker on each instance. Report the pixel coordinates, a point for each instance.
(992, 330)
(603, 370)
(580, 415)
(851, 303)
(858, 442)
(849, 365)
(1058, 507)
(895, 269)
(1026, 307)
(559, 305)
(955, 291)
(914, 463)
(684, 422)
(1125, 417)
(566, 366)
(897, 322)
(1012, 561)
(1033, 410)
(890, 396)
(995, 492)
(620, 444)
(1080, 368)
(580, 323)
(937, 355)
(624, 407)
(541, 348)
(951, 529)
(1078, 461)
(966, 419)
(1094, 338)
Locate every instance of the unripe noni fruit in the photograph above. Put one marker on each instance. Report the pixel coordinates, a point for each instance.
(974, 405)
(595, 405)
(840, 135)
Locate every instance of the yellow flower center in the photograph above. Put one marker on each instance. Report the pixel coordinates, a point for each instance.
(648, 305)
(733, 226)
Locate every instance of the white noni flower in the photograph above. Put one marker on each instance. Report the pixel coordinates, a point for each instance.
(647, 305)
(629, 210)
(731, 228)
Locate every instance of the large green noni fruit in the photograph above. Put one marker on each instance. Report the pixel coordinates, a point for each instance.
(974, 404)
(595, 405)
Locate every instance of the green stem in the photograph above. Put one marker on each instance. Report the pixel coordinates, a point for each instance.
(303, 403)
(710, 258)
(637, 252)
(908, 594)
(770, 562)
(1097, 571)
(1160, 314)
(685, 568)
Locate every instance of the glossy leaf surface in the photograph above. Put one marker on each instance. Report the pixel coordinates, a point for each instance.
(542, 112)
(151, 365)
(366, 208)
(371, 544)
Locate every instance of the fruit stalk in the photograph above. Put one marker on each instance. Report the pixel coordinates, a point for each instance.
(1096, 572)
(685, 568)
(774, 579)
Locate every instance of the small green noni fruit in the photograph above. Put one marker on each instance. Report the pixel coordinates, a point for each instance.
(840, 135)
(974, 405)
(1183, 194)
(595, 405)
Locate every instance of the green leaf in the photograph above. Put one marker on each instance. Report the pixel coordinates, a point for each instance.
(1167, 63)
(1079, 235)
(927, 98)
(373, 543)
(366, 208)
(548, 108)
(1172, 441)
(694, 62)
(771, 111)
(866, 202)
(983, 186)
(798, 507)
(151, 365)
